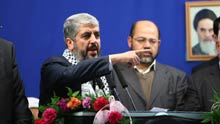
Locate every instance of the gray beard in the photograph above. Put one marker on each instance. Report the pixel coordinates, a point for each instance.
(146, 60)
(208, 47)
(82, 55)
(78, 55)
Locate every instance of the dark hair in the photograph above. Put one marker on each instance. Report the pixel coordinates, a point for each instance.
(202, 14)
(216, 26)
(133, 27)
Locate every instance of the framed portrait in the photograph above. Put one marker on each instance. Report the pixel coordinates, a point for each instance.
(199, 29)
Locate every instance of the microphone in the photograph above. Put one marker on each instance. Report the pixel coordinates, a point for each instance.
(124, 85)
(99, 83)
(112, 85)
(99, 91)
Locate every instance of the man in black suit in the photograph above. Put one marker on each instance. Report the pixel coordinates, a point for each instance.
(205, 79)
(151, 84)
(80, 66)
(14, 105)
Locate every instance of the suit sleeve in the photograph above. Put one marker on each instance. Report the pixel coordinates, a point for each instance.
(22, 114)
(192, 101)
(57, 74)
(62, 72)
(181, 91)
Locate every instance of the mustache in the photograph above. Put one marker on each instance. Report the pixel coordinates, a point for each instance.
(208, 39)
(92, 47)
(147, 52)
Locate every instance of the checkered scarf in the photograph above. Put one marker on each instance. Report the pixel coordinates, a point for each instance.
(72, 59)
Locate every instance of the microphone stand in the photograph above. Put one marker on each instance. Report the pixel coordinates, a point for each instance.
(132, 101)
(124, 85)
(112, 85)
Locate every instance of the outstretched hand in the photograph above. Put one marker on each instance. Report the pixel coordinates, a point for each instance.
(138, 54)
(131, 58)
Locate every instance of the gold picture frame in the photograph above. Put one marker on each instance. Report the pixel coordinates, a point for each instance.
(191, 9)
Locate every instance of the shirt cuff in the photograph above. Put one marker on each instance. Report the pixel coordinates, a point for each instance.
(110, 64)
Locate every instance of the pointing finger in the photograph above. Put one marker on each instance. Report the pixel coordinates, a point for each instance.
(141, 51)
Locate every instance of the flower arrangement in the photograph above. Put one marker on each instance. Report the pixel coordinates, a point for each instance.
(112, 113)
(214, 115)
(54, 112)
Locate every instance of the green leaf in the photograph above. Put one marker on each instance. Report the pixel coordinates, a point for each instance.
(216, 97)
(124, 120)
(214, 114)
(42, 108)
(75, 94)
(54, 100)
(59, 121)
(70, 92)
(206, 120)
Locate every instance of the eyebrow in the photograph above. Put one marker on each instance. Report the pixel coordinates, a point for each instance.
(206, 29)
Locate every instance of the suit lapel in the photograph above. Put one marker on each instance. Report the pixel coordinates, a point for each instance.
(214, 76)
(159, 75)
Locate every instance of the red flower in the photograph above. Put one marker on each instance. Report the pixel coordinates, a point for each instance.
(114, 117)
(49, 115)
(99, 103)
(40, 121)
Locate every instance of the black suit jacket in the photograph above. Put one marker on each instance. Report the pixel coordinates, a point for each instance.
(168, 88)
(203, 81)
(14, 105)
(57, 74)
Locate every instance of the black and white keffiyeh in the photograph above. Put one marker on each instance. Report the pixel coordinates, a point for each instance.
(86, 87)
(69, 56)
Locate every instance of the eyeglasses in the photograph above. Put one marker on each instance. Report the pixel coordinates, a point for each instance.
(152, 41)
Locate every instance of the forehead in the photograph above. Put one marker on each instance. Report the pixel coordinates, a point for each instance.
(205, 23)
(145, 28)
(88, 27)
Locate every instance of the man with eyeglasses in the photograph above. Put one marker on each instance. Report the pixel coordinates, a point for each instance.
(205, 78)
(80, 67)
(150, 83)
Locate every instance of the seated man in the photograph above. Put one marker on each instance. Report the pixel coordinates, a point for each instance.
(150, 83)
(205, 79)
(80, 66)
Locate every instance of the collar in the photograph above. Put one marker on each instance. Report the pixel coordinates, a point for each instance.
(69, 56)
(152, 67)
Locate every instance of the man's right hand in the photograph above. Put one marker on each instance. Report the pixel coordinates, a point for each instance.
(130, 57)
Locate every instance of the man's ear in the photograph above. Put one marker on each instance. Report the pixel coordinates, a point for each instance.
(129, 41)
(159, 42)
(217, 45)
(214, 37)
(69, 43)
